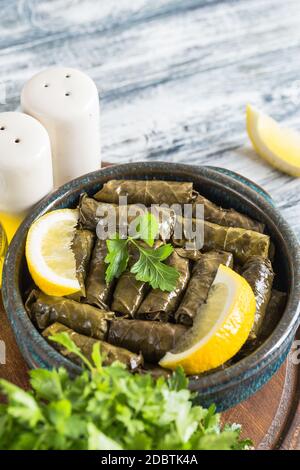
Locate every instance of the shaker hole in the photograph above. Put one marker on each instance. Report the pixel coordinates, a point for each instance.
(68, 76)
(2, 128)
(67, 94)
(17, 141)
(46, 85)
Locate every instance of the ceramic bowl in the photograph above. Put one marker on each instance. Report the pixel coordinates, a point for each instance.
(226, 387)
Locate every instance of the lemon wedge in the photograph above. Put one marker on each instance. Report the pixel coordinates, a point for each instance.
(50, 259)
(221, 327)
(277, 145)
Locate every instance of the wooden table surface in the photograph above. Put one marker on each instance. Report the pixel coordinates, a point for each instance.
(174, 77)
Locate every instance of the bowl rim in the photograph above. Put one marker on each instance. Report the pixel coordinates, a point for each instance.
(214, 381)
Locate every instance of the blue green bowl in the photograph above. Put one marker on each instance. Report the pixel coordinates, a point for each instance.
(227, 387)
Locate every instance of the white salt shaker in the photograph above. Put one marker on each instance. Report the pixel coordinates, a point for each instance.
(66, 102)
(25, 162)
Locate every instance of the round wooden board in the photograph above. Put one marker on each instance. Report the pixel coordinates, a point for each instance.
(271, 417)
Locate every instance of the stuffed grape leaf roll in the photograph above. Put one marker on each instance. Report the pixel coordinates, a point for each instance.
(153, 339)
(94, 215)
(146, 192)
(274, 312)
(129, 292)
(82, 318)
(258, 272)
(202, 277)
(155, 371)
(161, 305)
(240, 242)
(88, 212)
(226, 217)
(193, 255)
(82, 246)
(109, 353)
(92, 212)
(128, 295)
(98, 292)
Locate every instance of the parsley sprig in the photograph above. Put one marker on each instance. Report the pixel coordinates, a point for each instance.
(149, 267)
(108, 408)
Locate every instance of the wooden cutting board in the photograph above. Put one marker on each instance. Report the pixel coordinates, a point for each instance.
(271, 417)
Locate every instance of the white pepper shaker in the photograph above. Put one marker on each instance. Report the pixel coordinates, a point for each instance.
(25, 162)
(66, 102)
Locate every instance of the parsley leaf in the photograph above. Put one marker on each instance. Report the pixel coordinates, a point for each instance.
(97, 440)
(109, 409)
(23, 407)
(147, 228)
(96, 356)
(178, 381)
(117, 257)
(47, 384)
(149, 268)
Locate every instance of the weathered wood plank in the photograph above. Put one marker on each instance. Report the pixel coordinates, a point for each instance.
(174, 77)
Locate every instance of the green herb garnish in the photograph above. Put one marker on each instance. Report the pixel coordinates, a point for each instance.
(108, 408)
(117, 257)
(149, 267)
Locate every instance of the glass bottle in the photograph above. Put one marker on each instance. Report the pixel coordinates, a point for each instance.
(3, 249)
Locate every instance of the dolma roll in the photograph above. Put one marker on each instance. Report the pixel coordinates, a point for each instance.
(108, 352)
(82, 318)
(91, 212)
(155, 371)
(146, 192)
(82, 246)
(88, 209)
(98, 292)
(160, 305)
(202, 277)
(240, 242)
(274, 312)
(153, 339)
(129, 292)
(226, 217)
(193, 255)
(258, 272)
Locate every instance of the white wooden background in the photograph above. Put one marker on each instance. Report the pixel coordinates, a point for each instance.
(174, 76)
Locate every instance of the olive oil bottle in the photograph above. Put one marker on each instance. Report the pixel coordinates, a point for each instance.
(9, 224)
(3, 249)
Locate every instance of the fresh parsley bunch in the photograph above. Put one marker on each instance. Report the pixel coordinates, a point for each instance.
(149, 267)
(108, 408)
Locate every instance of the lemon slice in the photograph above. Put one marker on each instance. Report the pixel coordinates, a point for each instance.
(277, 145)
(221, 327)
(50, 259)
